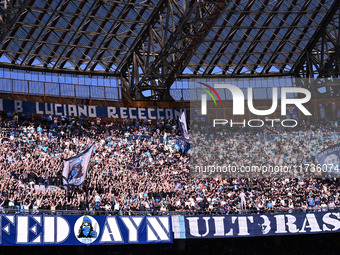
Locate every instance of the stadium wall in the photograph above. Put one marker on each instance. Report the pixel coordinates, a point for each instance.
(321, 108)
(82, 101)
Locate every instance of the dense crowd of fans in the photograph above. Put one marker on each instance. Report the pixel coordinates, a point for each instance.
(141, 166)
(294, 150)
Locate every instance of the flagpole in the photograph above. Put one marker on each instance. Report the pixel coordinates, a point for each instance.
(86, 183)
(86, 195)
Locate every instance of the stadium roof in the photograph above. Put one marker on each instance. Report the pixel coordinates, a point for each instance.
(151, 43)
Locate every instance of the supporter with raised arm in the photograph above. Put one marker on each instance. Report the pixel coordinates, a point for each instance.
(132, 169)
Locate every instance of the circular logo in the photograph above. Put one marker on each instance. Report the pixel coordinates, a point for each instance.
(332, 159)
(86, 229)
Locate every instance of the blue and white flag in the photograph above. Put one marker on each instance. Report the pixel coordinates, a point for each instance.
(75, 168)
(330, 158)
(184, 131)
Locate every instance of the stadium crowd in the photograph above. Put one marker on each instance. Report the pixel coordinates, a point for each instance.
(141, 166)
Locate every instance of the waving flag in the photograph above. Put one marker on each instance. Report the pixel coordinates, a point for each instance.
(184, 131)
(75, 168)
(330, 158)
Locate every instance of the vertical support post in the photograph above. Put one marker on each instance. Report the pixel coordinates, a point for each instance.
(75, 94)
(59, 92)
(104, 96)
(44, 92)
(90, 95)
(316, 111)
(28, 90)
(12, 87)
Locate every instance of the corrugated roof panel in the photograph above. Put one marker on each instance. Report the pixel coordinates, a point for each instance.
(130, 18)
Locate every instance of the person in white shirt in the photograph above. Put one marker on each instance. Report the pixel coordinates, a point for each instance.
(165, 137)
(116, 208)
(107, 207)
(35, 207)
(27, 207)
(147, 206)
(331, 205)
(243, 200)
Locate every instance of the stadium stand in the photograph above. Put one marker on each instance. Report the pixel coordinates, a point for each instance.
(136, 170)
(95, 97)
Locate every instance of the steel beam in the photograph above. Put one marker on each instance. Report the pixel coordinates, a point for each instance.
(164, 67)
(319, 62)
(10, 16)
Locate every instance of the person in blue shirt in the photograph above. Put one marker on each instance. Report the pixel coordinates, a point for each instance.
(317, 202)
(269, 204)
(310, 201)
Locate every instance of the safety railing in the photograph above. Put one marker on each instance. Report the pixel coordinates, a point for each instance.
(91, 211)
